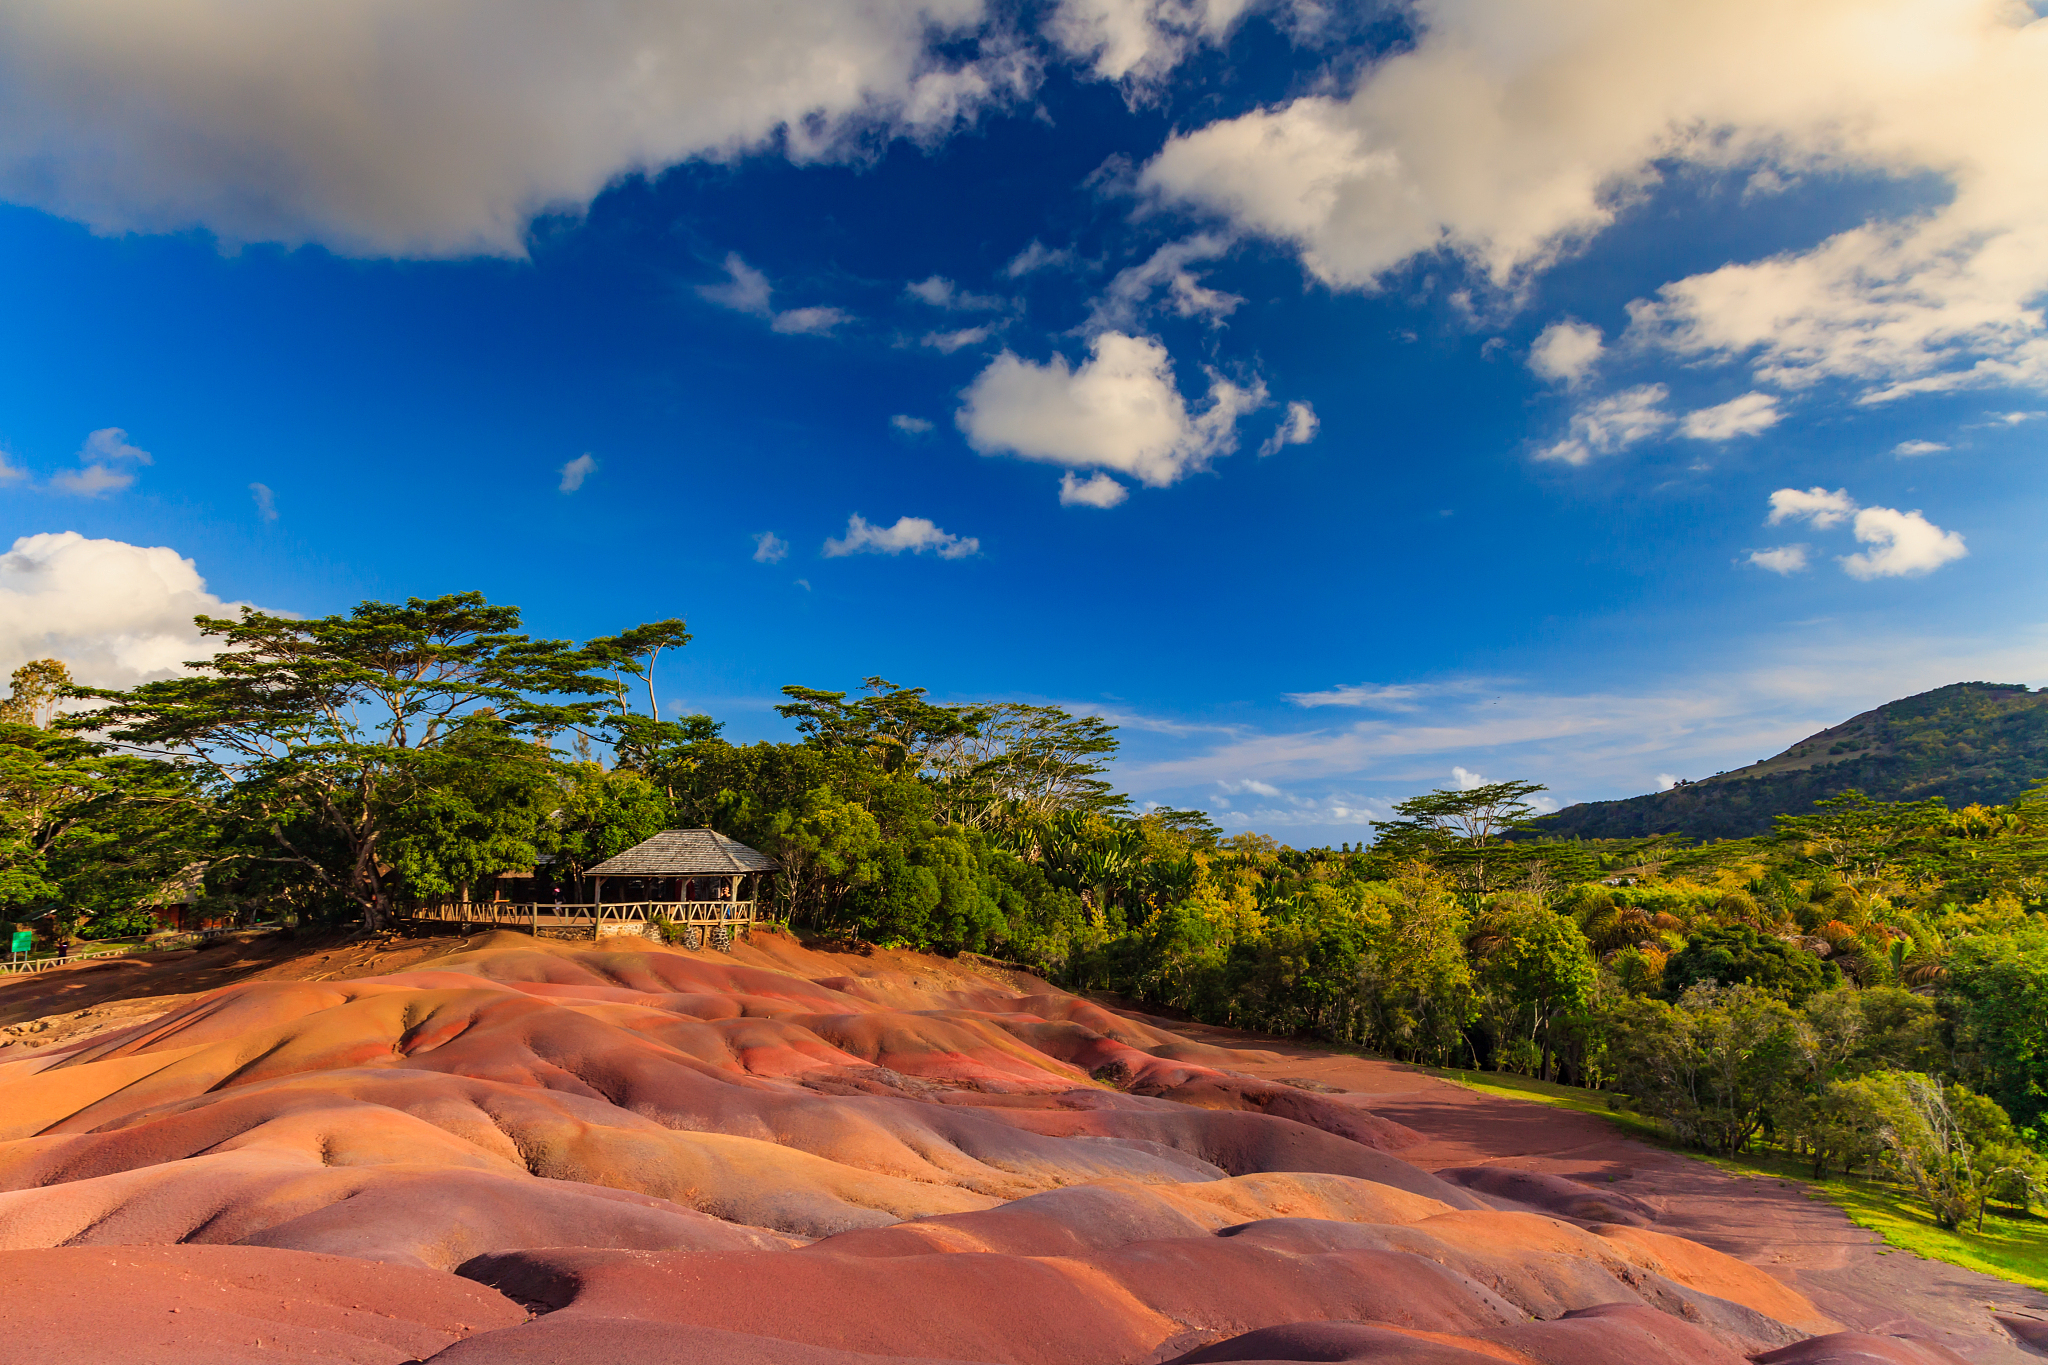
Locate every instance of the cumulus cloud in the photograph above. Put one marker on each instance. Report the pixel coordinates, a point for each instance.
(1745, 416)
(1120, 410)
(1297, 428)
(1139, 40)
(770, 548)
(1037, 256)
(910, 426)
(914, 534)
(940, 292)
(1817, 505)
(1782, 559)
(1910, 448)
(1903, 544)
(1098, 491)
(1465, 780)
(116, 614)
(266, 501)
(402, 129)
(577, 471)
(1566, 352)
(1612, 424)
(1513, 131)
(1166, 268)
(1666, 781)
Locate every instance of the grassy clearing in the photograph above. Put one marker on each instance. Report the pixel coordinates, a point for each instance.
(2013, 1249)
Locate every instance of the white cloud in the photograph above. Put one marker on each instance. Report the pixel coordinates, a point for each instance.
(1612, 424)
(910, 426)
(1139, 40)
(97, 458)
(940, 292)
(576, 471)
(117, 614)
(441, 129)
(2013, 419)
(770, 548)
(1911, 448)
(110, 443)
(1666, 781)
(1253, 786)
(1187, 296)
(1037, 256)
(1566, 352)
(1817, 505)
(809, 321)
(915, 534)
(1782, 559)
(91, 481)
(1297, 428)
(1758, 696)
(266, 501)
(10, 473)
(1514, 131)
(949, 342)
(1905, 544)
(1377, 696)
(1098, 491)
(1744, 416)
(1120, 410)
(747, 290)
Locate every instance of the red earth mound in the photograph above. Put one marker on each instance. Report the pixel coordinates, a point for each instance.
(508, 1150)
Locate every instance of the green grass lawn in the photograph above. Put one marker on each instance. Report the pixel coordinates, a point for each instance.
(2013, 1249)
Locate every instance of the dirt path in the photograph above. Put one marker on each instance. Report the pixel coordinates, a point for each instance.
(1774, 1224)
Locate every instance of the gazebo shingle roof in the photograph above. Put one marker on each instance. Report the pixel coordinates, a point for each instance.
(686, 853)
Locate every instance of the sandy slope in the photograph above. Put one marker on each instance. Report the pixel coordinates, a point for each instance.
(503, 1150)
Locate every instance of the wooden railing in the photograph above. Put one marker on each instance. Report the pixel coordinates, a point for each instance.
(25, 965)
(600, 919)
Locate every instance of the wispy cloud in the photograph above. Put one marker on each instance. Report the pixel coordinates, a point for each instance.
(266, 501)
(770, 548)
(913, 535)
(1584, 744)
(577, 472)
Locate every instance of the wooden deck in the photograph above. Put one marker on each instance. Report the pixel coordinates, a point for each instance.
(699, 922)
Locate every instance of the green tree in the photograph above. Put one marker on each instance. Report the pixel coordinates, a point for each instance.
(1737, 954)
(1955, 1147)
(1535, 965)
(1995, 1002)
(1716, 1066)
(325, 733)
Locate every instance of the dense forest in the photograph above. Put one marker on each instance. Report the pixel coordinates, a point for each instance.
(1865, 981)
(1968, 743)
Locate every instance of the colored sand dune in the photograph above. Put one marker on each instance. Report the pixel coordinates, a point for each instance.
(517, 1151)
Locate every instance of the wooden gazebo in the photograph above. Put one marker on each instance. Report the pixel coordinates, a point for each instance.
(695, 879)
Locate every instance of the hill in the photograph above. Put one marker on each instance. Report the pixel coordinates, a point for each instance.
(1974, 741)
(372, 1151)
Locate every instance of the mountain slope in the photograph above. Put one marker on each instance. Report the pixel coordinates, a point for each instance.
(1965, 742)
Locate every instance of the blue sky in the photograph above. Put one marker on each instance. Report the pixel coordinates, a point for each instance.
(1345, 400)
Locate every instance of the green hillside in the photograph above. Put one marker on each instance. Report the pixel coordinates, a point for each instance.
(1983, 742)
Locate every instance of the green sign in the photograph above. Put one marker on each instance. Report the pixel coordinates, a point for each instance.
(24, 941)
